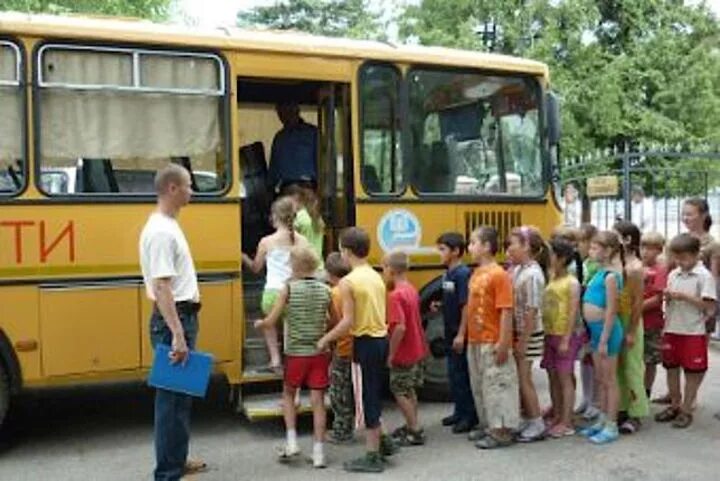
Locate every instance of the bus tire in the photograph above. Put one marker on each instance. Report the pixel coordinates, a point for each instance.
(436, 386)
(4, 394)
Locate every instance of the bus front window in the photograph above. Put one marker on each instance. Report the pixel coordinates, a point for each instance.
(474, 134)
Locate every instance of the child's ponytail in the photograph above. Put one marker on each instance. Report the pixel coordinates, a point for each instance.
(579, 268)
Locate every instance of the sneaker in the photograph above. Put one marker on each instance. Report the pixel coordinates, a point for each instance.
(560, 430)
(370, 463)
(318, 460)
(450, 420)
(476, 435)
(591, 413)
(412, 438)
(388, 447)
(607, 435)
(287, 453)
(399, 433)
(535, 431)
(463, 426)
(591, 430)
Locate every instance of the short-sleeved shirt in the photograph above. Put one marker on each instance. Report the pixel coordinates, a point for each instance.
(683, 317)
(654, 284)
(556, 306)
(528, 283)
(490, 293)
(304, 225)
(165, 254)
(306, 316)
(369, 294)
(343, 347)
(454, 297)
(404, 308)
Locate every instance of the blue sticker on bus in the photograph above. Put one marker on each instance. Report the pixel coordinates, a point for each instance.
(399, 229)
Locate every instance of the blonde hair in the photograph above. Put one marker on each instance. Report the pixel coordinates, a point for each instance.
(653, 239)
(283, 213)
(303, 260)
(398, 262)
(170, 174)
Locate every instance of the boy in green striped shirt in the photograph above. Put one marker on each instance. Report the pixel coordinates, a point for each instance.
(306, 302)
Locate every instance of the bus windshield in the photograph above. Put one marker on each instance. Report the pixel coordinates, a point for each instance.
(475, 134)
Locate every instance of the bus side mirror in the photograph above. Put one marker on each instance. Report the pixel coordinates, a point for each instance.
(552, 107)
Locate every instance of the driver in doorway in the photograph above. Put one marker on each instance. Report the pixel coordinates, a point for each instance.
(293, 159)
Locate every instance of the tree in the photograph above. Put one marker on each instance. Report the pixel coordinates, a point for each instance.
(153, 9)
(335, 18)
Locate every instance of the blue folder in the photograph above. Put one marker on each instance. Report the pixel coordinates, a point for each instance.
(191, 377)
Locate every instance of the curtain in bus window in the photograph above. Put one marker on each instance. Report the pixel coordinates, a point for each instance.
(179, 72)
(11, 120)
(10, 108)
(79, 67)
(122, 125)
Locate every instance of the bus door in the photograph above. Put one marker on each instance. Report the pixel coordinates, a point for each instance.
(336, 165)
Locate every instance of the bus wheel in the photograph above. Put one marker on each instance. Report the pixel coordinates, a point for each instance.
(4, 394)
(436, 387)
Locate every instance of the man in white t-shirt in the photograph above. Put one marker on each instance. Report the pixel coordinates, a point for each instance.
(171, 283)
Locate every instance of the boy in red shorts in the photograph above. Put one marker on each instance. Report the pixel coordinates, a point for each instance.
(306, 302)
(690, 296)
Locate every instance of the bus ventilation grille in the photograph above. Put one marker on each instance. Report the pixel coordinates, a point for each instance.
(503, 221)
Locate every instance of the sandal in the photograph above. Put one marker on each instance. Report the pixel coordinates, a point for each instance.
(682, 420)
(493, 442)
(667, 415)
(630, 426)
(662, 399)
(194, 466)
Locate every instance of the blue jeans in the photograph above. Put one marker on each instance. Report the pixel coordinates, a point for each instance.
(172, 410)
(459, 378)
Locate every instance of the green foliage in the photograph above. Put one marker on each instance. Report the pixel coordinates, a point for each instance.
(335, 18)
(153, 9)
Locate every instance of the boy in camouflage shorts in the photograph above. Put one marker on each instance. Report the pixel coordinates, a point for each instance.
(342, 399)
(655, 280)
(407, 346)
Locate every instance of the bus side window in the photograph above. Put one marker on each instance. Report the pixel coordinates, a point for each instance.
(12, 164)
(128, 112)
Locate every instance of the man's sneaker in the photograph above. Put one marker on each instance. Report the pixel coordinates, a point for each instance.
(412, 438)
(388, 447)
(370, 463)
(399, 433)
(450, 420)
(463, 426)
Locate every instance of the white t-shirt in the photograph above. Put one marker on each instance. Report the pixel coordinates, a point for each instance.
(683, 317)
(165, 253)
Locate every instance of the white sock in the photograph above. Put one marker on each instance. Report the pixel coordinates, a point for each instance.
(292, 439)
(587, 378)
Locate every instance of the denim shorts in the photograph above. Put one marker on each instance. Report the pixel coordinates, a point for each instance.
(615, 339)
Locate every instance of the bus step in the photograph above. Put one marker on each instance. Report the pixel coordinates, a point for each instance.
(258, 374)
(266, 406)
(255, 352)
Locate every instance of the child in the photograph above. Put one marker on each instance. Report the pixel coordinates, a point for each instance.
(651, 247)
(451, 247)
(600, 310)
(363, 296)
(342, 399)
(588, 406)
(634, 403)
(527, 251)
(690, 297)
(308, 220)
(407, 346)
(563, 335)
(273, 253)
(307, 304)
(488, 325)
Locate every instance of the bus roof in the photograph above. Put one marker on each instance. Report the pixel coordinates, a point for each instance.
(231, 38)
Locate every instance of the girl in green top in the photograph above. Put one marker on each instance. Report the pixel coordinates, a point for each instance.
(308, 220)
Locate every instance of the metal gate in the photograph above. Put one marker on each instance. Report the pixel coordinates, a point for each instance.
(645, 185)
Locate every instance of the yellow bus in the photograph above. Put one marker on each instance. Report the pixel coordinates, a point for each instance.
(413, 142)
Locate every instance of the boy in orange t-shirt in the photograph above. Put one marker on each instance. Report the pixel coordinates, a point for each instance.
(342, 399)
(487, 322)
